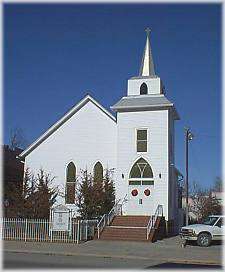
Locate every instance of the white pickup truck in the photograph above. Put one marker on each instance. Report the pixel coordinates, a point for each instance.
(211, 229)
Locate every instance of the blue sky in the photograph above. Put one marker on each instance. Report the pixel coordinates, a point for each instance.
(55, 53)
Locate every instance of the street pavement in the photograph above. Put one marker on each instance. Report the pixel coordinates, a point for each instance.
(112, 254)
(27, 260)
(37, 260)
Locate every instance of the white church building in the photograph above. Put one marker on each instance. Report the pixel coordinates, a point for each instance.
(137, 145)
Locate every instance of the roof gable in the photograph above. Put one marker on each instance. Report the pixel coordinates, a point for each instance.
(62, 120)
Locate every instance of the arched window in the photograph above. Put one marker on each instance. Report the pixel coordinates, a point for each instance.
(70, 183)
(98, 172)
(143, 89)
(141, 173)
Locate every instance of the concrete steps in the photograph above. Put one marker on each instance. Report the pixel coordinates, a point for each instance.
(128, 228)
(132, 221)
(121, 233)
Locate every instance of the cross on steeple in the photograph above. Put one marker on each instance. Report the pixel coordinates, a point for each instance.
(148, 30)
(147, 65)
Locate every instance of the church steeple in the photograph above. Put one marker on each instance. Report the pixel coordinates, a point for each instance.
(147, 82)
(147, 65)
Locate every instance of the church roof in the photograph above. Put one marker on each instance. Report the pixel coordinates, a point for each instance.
(61, 121)
(143, 102)
(140, 101)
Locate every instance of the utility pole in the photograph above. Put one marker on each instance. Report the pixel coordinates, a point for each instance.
(188, 137)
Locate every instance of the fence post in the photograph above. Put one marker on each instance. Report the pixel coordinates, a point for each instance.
(86, 229)
(50, 234)
(78, 231)
(2, 228)
(25, 230)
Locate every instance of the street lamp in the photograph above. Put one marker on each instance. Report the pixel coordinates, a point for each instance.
(188, 137)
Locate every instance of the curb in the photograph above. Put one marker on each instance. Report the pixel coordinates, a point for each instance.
(198, 262)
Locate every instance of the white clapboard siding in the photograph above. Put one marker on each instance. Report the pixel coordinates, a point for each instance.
(153, 84)
(157, 155)
(87, 137)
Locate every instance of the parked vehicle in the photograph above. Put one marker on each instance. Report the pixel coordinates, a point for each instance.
(211, 229)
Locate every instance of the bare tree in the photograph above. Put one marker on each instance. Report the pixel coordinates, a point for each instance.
(218, 185)
(203, 202)
(17, 139)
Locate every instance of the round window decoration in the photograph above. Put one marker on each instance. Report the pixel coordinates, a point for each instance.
(147, 192)
(134, 192)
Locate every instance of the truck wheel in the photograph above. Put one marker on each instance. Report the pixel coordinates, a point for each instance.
(204, 239)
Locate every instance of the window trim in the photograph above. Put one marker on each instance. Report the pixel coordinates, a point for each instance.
(136, 140)
(141, 179)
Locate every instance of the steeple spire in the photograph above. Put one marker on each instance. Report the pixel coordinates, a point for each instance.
(147, 65)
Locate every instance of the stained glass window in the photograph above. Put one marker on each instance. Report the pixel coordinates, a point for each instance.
(141, 169)
(70, 183)
(98, 172)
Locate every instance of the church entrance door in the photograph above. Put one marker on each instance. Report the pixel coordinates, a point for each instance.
(140, 185)
(139, 200)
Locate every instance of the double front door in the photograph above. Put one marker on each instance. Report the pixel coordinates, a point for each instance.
(140, 200)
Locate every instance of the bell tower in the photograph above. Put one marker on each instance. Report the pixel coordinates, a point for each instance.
(147, 82)
(145, 144)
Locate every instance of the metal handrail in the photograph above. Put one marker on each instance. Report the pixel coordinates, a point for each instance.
(113, 211)
(153, 218)
(116, 209)
(100, 228)
(123, 201)
(107, 218)
(149, 226)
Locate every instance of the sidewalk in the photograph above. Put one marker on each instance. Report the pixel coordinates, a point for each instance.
(168, 250)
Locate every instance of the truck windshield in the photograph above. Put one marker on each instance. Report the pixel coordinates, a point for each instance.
(210, 221)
